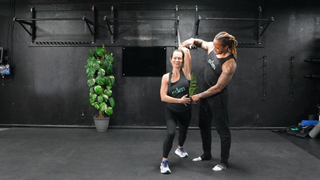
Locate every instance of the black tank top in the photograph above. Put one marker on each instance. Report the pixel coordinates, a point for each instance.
(177, 90)
(213, 70)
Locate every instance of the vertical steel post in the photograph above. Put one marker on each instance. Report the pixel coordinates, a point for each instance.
(259, 25)
(291, 78)
(264, 78)
(197, 21)
(177, 26)
(112, 25)
(33, 24)
(93, 39)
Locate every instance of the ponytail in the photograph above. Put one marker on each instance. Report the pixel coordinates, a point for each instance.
(228, 40)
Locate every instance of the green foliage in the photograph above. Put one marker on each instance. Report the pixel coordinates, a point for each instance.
(193, 85)
(98, 69)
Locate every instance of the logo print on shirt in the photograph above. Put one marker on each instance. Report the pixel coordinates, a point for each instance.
(211, 62)
(178, 90)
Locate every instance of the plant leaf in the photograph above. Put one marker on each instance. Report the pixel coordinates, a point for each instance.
(90, 72)
(91, 53)
(108, 92)
(100, 99)
(112, 102)
(101, 72)
(107, 66)
(103, 106)
(91, 90)
(101, 81)
(109, 57)
(100, 51)
(98, 89)
(109, 111)
(96, 65)
(105, 97)
(96, 105)
(193, 85)
(91, 82)
(92, 96)
(111, 77)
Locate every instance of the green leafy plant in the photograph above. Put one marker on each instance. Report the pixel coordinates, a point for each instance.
(193, 85)
(99, 70)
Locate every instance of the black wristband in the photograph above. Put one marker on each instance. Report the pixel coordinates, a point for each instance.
(198, 42)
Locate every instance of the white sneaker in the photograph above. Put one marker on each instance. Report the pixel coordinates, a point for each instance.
(164, 167)
(181, 152)
(219, 167)
(197, 159)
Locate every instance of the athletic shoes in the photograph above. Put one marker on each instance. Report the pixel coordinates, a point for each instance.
(197, 159)
(181, 152)
(219, 167)
(164, 167)
(202, 158)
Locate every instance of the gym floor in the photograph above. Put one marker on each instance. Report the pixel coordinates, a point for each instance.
(69, 153)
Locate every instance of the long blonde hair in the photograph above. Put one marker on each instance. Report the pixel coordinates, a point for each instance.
(228, 40)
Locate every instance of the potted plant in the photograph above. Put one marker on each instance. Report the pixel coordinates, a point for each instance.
(99, 70)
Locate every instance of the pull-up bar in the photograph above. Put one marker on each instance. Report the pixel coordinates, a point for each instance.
(23, 22)
(259, 20)
(110, 22)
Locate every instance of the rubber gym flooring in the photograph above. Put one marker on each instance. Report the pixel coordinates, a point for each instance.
(85, 154)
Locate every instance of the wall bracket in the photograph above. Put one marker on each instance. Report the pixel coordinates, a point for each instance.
(111, 25)
(261, 28)
(312, 76)
(31, 22)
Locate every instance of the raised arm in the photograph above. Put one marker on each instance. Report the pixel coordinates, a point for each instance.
(228, 69)
(164, 96)
(187, 62)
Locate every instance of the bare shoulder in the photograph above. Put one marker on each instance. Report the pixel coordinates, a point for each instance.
(230, 66)
(165, 77)
(208, 46)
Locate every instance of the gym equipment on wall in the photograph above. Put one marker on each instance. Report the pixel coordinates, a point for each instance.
(261, 28)
(111, 24)
(313, 76)
(32, 31)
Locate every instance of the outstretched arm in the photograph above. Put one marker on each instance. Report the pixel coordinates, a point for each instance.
(199, 43)
(228, 69)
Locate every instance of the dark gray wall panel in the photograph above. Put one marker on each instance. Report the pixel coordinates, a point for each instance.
(49, 85)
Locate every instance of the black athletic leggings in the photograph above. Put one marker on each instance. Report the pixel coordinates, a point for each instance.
(172, 118)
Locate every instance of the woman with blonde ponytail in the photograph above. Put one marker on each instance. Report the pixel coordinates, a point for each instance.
(220, 66)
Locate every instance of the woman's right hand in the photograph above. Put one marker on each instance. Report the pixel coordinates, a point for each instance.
(185, 100)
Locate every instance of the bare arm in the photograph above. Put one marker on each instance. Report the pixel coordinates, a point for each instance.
(164, 89)
(208, 46)
(187, 62)
(228, 69)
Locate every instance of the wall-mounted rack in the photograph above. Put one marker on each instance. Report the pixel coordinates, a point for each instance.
(31, 22)
(111, 24)
(313, 76)
(261, 28)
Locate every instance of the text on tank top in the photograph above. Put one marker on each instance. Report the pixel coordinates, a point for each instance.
(213, 70)
(177, 90)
